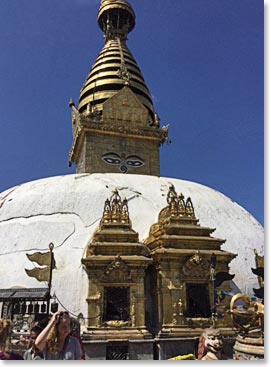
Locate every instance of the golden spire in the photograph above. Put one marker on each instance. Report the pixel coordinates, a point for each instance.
(115, 66)
(116, 18)
(115, 101)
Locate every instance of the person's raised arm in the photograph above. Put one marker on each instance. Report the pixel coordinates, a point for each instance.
(40, 342)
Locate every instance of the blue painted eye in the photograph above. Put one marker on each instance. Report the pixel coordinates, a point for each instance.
(111, 158)
(134, 161)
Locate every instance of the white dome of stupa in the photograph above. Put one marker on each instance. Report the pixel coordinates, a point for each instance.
(66, 211)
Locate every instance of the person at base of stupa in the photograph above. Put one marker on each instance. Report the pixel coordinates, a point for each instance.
(33, 353)
(55, 339)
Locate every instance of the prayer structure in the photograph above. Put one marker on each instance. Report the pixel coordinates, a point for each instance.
(145, 263)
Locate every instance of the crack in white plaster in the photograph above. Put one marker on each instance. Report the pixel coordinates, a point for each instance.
(81, 176)
(41, 215)
(94, 222)
(41, 249)
(66, 239)
(4, 198)
(129, 188)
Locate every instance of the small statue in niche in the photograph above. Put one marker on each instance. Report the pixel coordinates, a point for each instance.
(196, 259)
(180, 307)
(107, 212)
(172, 200)
(189, 209)
(181, 205)
(115, 205)
(124, 212)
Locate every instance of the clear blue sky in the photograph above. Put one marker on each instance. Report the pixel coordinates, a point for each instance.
(201, 59)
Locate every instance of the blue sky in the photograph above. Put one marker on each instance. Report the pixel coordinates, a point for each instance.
(201, 59)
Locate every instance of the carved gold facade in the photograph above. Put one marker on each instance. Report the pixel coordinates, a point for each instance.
(159, 277)
(116, 261)
(181, 250)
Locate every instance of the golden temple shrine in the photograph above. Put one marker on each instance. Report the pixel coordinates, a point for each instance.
(150, 273)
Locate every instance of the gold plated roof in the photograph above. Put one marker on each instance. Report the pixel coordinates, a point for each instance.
(115, 66)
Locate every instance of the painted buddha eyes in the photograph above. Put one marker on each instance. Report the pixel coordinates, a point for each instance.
(123, 161)
(134, 161)
(111, 158)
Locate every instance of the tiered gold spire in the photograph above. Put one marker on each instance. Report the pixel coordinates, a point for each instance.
(115, 66)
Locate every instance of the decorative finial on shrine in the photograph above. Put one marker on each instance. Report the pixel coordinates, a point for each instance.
(115, 209)
(177, 205)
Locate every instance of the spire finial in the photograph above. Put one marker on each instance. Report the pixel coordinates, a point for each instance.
(116, 18)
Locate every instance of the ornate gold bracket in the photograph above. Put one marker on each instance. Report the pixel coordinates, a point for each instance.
(249, 317)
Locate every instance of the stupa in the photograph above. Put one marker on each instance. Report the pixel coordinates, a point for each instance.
(132, 249)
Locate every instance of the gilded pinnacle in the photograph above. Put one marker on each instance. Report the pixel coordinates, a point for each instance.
(116, 18)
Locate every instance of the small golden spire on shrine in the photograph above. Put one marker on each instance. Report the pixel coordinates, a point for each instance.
(124, 212)
(172, 200)
(107, 211)
(115, 206)
(115, 210)
(189, 209)
(181, 205)
(177, 206)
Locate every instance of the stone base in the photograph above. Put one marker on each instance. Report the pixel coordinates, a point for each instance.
(136, 349)
(166, 348)
(121, 334)
(190, 332)
(159, 348)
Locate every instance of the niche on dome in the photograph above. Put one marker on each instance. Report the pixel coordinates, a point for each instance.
(198, 300)
(116, 304)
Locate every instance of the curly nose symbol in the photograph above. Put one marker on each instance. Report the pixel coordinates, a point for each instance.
(123, 168)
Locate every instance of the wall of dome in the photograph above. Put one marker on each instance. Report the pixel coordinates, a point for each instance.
(66, 210)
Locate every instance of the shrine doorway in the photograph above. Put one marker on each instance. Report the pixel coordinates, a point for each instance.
(116, 303)
(198, 300)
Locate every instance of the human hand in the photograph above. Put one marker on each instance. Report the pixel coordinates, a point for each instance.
(55, 317)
